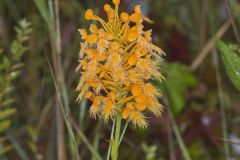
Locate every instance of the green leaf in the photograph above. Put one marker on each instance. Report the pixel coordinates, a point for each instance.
(8, 102)
(20, 150)
(32, 146)
(24, 24)
(8, 90)
(235, 47)
(1, 51)
(149, 151)
(7, 113)
(17, 66)
(2, 139)
(32, 132)
(5, 64)
(15, 46)
(5, 149)
(114, 148)
(178, 79)
(42, 7)
(13, 75)
(231, 62)
(4, 125)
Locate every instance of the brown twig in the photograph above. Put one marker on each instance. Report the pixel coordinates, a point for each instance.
(235, 29)
(209, 46)
(61, 147)
(65, 115)
(227, 140)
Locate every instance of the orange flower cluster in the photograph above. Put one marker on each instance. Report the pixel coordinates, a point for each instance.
(117, 62)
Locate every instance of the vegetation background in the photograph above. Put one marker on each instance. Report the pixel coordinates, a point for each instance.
(39, 118)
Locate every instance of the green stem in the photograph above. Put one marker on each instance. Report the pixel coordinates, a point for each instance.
(115, 142)
(85, 140)
(109, 148)
(96, 138)
(215, 61)
(123, 132)
(222, 107)
(179, 138)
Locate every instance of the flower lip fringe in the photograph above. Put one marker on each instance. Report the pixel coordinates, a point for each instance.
(117, 62)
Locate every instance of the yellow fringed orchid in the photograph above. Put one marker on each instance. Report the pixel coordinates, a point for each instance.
(117, 60)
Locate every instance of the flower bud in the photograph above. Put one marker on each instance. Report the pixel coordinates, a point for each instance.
(107, 7)
(116, 2)
(89, 14)
(124, 16)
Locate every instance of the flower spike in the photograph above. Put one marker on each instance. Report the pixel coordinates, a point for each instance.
(117, 62)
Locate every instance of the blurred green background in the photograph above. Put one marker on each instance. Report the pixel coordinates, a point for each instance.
(202, 106)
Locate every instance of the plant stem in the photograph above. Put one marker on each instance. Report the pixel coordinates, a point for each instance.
(123, 132)
(109, 148)
(209, 46)
(171, 142)
(51, 16)
(222, 107)
(234, 25)
(56, 53)
(97, 138)
(61, 146)
(215, 62)
(82, 112)
(115, 142)
(65, 115)
(179, 138)
(85, 140)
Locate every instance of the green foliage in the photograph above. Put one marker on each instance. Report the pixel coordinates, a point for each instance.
(196, 150)
(17, 47)
(150, 151)
(42, 6)
(33, 137)
(231, 60)
(178, 79)
(47, 14)
(5, 150)
(6, 113)
(9, 71)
